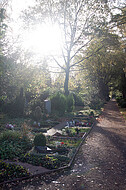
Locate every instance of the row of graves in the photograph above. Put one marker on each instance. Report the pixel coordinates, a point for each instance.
(56, 142)
(49, 144)
(62, 144)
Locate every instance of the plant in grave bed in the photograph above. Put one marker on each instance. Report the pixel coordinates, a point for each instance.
(71, 152)
(68, 143)
(36, 130)
(49, 162)
(11, 171)
(62, 150)
(10, 136)
(40, 140)
(40, 143)
(13, 144)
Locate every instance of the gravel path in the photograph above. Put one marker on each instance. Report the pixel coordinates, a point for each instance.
(100, 163)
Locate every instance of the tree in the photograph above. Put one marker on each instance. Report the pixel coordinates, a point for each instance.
(118, 20)
(79, 21)
(104, 66)
(3, 27)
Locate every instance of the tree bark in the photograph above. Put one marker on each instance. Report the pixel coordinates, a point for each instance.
(66, 82)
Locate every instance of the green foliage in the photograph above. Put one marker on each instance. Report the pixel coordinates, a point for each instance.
(49, 162)
(96, 104)
(37, 114)
(36, 130)
(123, 105)
(58, 103)
(15, 108)
(13, 144)
(68, 143)
(40, 140)
(10, 136)
(78, 100)
(11, 171)
(70, 102)
(121, 102)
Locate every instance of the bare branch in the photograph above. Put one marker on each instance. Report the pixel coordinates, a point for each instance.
(56, 72)
(80, 48)
(87, 57)
(64, 57)
(58, 63)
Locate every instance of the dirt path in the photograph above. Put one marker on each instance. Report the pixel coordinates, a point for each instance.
(100, 164)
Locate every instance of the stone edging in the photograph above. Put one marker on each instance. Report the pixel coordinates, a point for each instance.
(54, 170)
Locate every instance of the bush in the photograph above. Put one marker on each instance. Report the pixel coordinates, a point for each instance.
(10, 136)
(96, 104)
(46, 161)
(37, 113)
(49, 162)
(123, 105)
(78, 100)
(15, 108)
(11, 171)
(70, 102)
(13, 144)
(40, 140)
(58, 103)
(121, 102)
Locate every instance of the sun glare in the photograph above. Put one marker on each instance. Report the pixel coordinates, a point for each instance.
(43, 39)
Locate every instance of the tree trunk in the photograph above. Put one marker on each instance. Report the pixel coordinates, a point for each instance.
(66, 82)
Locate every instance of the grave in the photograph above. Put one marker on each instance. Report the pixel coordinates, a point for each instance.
(47, 105)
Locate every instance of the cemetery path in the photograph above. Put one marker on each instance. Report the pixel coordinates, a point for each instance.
(55, 129)
(100, 163)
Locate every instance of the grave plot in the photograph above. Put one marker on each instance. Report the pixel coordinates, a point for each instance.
(57, 151)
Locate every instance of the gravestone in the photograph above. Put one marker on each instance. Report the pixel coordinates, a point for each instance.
(47, 105)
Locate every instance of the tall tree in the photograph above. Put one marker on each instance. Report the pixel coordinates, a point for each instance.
(104, 66)
(3, 60)
(79, 21)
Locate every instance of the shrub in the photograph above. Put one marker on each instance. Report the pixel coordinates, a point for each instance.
(40, 140)
(70, 102)
(37, 113)
(78, 100)
(10, 136)
(58, 103)
(49, 162)
(11, 171)
(96, 104)
(123, 105)
(15, 108)
(13, 144)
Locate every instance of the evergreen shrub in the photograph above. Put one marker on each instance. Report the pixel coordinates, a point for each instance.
(40, 140)
(70, 102)
(78, 100)
(58, 103)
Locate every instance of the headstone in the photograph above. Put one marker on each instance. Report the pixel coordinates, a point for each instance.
(47, 105)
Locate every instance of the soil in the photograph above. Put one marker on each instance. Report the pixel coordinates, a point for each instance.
(100, 163)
